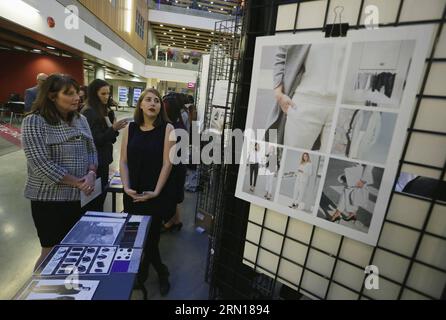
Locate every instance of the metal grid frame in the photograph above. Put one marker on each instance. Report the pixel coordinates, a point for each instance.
(223, 64)
(229, 284)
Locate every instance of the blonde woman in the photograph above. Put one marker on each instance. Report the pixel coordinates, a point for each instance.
(304, 172)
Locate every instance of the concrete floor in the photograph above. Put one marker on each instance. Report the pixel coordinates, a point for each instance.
(184, 252)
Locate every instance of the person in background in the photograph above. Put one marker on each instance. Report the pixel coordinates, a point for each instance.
(105, 129)
(61, 160)
(82, 97)
(31, 93)
(174, 109)
(145, 168)
(185, 112)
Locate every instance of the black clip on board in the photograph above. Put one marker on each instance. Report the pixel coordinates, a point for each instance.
(336, 29)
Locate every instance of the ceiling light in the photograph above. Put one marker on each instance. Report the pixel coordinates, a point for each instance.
(207, 45)
(187, 7)
(185, 47)
(199, 5)
(51, 48)
(164, 33)
(235, 7)
(209, 39)
(185, 42)
(170, 30)
(209, 10)
(212, 2)
(184, 36)
(20, 48)
(198, 34)
(37, 50)
(221, 9)
(224, 39)
(196, 40)
(183, 28)
(212, 32)
(161, 25)
(171, 37)
(173, 43)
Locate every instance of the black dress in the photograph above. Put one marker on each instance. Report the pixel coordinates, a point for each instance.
(145, 160)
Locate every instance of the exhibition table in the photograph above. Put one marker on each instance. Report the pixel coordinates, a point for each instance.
(97, 260)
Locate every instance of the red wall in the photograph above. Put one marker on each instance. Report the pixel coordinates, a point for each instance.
(18, 70)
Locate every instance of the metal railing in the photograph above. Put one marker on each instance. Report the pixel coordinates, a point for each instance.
(173, 65)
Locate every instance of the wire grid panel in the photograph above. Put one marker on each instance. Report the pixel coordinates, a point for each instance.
(223, 68)
(411, 252)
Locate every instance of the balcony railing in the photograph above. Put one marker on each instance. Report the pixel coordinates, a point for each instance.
(173, 65)
(181, 10)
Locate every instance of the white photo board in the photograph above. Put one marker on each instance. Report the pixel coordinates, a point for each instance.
(346, 105)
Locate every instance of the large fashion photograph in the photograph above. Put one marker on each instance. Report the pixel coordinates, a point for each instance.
(298, 89)
(339, 109)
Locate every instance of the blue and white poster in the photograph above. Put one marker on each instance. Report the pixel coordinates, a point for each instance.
(123, 96)
(136, 94)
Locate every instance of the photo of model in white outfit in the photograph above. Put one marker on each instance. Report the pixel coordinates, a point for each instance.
(262, 168)
(271, 168)
(364, 135)
(306, 84)
(300, 180)
(304, 172)
(349, 194)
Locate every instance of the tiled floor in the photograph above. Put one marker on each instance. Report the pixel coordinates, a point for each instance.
(184, 252)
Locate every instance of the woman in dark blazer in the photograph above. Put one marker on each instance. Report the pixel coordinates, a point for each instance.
(104, 129)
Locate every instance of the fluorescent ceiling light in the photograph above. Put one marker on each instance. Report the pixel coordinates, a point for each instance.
(21, 6)
(37, 50)
(20, 48)
(123, 63)
(51, 48)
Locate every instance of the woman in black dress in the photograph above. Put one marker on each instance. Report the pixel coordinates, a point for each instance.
(174, 105)
(105, 128)
(145, 170)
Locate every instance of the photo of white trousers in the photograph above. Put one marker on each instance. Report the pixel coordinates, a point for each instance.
(304, 172)
(310, 117)
(269, 182)
(299, 187)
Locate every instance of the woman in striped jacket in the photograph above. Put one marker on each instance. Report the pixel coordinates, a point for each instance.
(61, 160)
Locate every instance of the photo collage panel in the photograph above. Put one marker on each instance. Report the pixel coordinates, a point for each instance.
(334, 111)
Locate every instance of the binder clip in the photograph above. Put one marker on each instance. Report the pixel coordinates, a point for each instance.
(337, 29)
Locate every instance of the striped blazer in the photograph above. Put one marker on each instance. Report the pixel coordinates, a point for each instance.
(52, 151)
